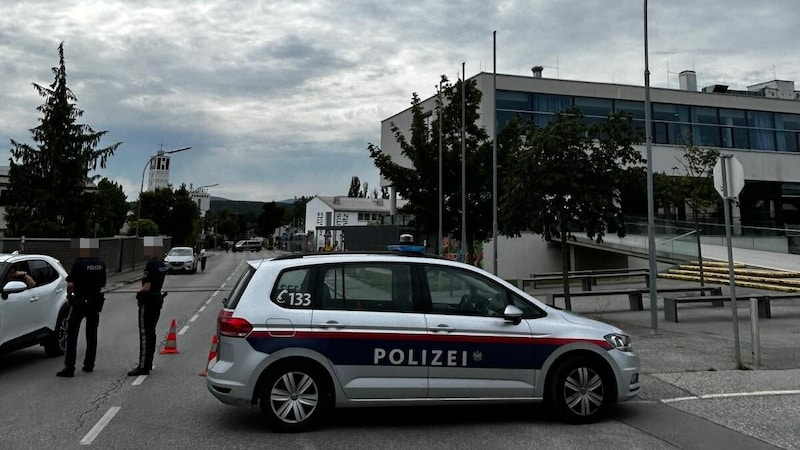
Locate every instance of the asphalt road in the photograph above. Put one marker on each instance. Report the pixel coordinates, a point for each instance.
(172, 409)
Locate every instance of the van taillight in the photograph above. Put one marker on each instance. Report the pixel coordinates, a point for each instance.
(227, 325)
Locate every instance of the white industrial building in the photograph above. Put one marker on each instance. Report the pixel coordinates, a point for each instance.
(347, 211)
(760, 126)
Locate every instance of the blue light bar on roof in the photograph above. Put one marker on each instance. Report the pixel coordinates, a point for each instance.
(407, 248)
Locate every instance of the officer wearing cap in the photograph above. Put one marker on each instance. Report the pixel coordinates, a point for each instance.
(150, 300)
(85, 282)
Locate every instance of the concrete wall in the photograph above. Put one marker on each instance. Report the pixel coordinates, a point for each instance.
(519, 257)
(120, 253)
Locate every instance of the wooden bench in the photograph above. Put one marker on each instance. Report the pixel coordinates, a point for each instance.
(671, 304)
(634, 295)
(588, 278)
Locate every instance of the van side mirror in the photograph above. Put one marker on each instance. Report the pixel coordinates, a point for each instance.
(512, 314)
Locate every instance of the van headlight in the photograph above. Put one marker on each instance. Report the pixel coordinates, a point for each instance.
(621, 342)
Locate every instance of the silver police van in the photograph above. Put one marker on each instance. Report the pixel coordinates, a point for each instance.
(302, 334)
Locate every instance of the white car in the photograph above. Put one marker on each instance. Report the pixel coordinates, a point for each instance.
(302, 334)
(33, 315)
(182, 259)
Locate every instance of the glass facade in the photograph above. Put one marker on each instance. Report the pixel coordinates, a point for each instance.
(672, 124)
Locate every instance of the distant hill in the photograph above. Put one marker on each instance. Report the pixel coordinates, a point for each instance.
(236, 206)
(243, 207)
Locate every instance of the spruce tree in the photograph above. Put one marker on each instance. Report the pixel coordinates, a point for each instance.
(48, 181)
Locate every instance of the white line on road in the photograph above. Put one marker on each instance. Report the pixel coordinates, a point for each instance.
(194, 317)
(138, 380)
(215, 293)
(98, 427)
(202, 308)
(731, 395)
(183, 330)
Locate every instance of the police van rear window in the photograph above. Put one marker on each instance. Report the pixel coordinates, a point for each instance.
(238, 289)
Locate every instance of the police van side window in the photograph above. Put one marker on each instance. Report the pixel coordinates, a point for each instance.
(293, 289)
(454, 291)
(367, 287)
(529, 310)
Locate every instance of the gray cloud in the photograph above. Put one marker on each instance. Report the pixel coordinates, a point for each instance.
(280, 98)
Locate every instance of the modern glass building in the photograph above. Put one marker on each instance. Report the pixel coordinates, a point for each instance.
(760, 126)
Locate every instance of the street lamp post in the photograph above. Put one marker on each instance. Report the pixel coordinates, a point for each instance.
(141, 187)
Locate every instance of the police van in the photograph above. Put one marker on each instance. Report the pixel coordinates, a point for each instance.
(249, 245)
(301, 334)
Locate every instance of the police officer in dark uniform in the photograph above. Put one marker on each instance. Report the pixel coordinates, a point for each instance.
(150, 301)
(85, 282)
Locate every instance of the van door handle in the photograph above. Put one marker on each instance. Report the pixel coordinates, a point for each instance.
(34, 299)
(333, 324)
(442, 328)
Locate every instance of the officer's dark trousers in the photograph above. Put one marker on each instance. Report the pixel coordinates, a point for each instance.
(76, 314)
(148, 318)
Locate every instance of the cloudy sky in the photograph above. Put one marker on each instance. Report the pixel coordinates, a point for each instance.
(280, 98)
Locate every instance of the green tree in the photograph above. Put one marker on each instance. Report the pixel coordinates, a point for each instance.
(695, 189)
(184, 218)
(156, 206)
(109, 207)
(296, 214)
(419, 184)
(271, 218)
(355, 187)
(227, 225)
(47, 193)
(567, 177)
(146, 227)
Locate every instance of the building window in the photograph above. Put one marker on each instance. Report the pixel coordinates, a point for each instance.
(762, 136)
(517, 101)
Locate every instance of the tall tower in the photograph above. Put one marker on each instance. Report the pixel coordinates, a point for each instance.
(159, 171)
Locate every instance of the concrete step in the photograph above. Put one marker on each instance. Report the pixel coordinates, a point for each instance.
(717, 272)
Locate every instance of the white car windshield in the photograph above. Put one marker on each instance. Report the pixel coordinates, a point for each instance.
(180, 252)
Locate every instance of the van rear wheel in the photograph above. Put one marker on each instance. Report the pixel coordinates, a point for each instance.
(295, 397)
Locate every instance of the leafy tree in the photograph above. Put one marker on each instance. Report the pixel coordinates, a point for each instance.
(47, 193)
(156, 206)
(355, 187)
(567, 177)
(227, 225)
(419, 184)
(271, 218)
(146, 227)
(110, 207)
(296, 214)
(695, 189)
(184, 218)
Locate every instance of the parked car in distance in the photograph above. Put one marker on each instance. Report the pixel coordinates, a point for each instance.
(305, 333)
(33, 315)
(182, 259)
(249, 245)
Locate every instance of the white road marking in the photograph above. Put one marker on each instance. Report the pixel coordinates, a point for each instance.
(138, 380)
(731, 395)
(202, 308)
(194, 317)
(215, 293)
(98, 427)
(183, 330)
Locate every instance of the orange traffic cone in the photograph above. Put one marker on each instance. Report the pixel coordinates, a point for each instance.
(211, 354)
(172, 341)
